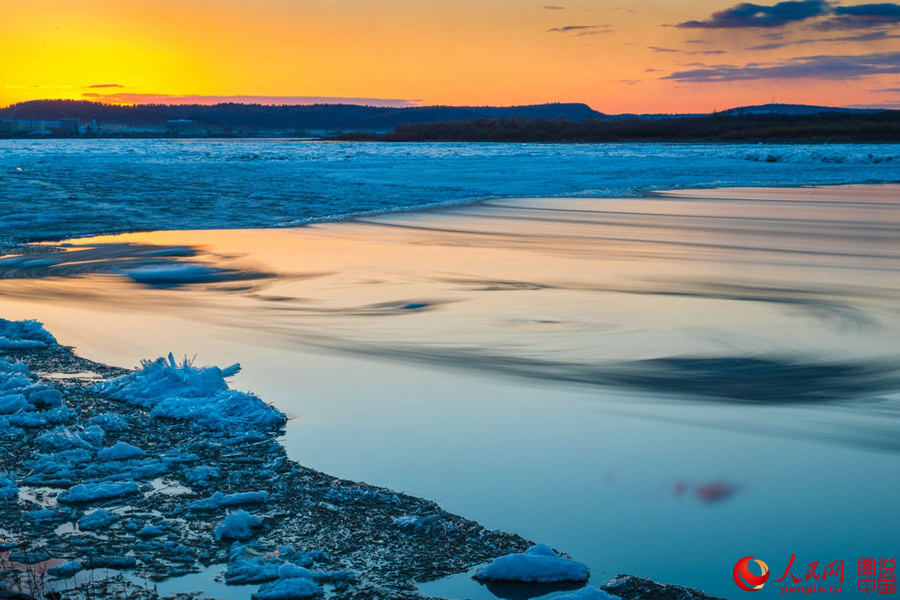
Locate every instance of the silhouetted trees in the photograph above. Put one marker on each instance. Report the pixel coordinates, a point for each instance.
(879, 126)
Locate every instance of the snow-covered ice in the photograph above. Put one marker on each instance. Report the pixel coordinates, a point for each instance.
(220, 500)
(98, 519)
(288, 589)
(121, 451)
(197, 395)
(24, 334)
(238, 525)
(85, 493)
(538, 564)
(125, 185)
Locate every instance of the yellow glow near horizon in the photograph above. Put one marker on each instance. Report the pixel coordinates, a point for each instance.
(432, 51)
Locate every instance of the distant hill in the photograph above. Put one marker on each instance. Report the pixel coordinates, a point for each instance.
(881, 126)
(329, 120)
(795, 109)
(332, 118)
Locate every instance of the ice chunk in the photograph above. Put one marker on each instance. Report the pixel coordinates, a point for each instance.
(9, 491)
(45, 515)
(112, 562)
(288, 589)
(13, 403)
(194, 394)
(202, 476)
(24, 334)
(65, 438)
(66, 570)
(57, 416)
(244, 570)
(589, 593)
(292, 571)
(109, 422)
(220, 500)
(120, 451)
(84, 493)
(150, 531)
(238, 525)
(539, 564)
(99, 519)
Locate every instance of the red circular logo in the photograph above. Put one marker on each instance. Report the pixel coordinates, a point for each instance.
(746, 580)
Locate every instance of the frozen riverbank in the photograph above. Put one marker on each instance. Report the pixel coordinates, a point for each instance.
(162, 471)
(113, 480)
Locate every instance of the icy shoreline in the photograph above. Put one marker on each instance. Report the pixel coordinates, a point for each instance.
(164, 471)
(175, 494)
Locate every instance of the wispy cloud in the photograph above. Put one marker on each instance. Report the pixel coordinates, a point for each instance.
(748, 15)
(105, 85)
(862, 16)
(659, 49)
(575, 28)
(872, 36)
(138, 98)
(817, 67)
(554, 7)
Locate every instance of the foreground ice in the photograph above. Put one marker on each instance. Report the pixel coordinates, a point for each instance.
(199, 395)
(91, 482)
(538, 564)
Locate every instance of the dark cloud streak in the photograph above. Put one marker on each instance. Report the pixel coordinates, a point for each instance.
(805, 67)
(748, 15)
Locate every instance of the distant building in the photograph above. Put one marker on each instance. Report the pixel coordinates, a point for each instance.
(70, 126)
(112, 127)
(181, 126)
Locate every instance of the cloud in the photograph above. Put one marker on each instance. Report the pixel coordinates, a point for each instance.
(554, 7)
(571, 28)
(137, 98)
(105, 85)
(862, 16)
(887, 91)
(817, 67)
(748, 14)
(872, 36)
(658, 49)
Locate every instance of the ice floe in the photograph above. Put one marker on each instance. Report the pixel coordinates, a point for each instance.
(538, 564)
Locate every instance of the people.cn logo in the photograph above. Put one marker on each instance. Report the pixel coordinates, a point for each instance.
(746, 580)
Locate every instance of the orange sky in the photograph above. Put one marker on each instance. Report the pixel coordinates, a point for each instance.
(614, 55)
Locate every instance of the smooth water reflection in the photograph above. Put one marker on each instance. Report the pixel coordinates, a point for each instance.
(656, 386)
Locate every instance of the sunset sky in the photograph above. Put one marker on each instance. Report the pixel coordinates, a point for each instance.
(642, 56)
